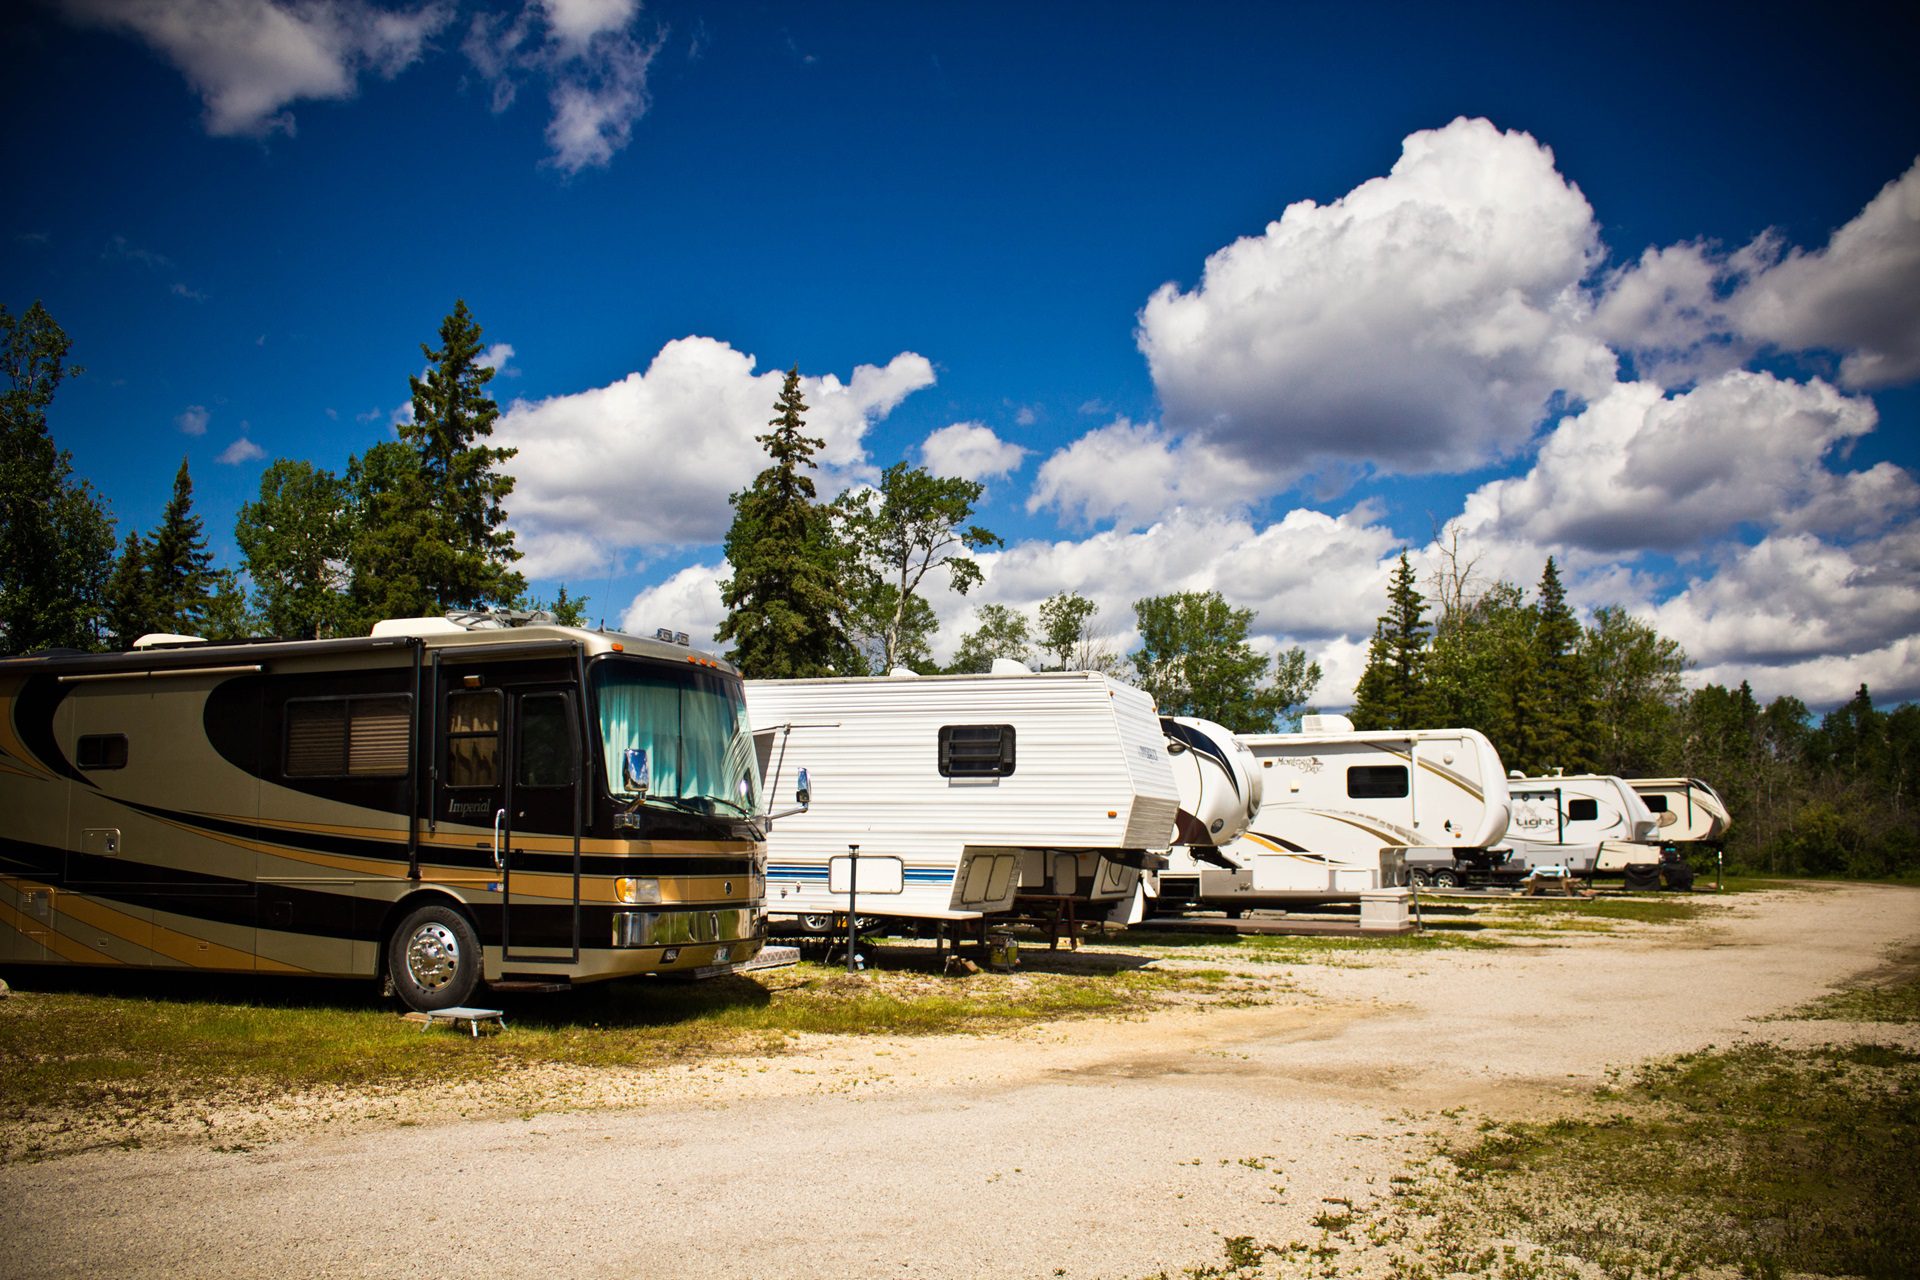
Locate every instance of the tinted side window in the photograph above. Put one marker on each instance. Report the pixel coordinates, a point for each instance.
(341, 737)
(1582, 810)
(102, 751)
(473, 738)
(1377, 781)
(976, 751)
(546, 741)
(1655, 804)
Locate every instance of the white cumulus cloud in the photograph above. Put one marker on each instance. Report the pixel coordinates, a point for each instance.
(688, 601)
(241, 450)
(651, 460)
(1422, 322)
(1135, 473)
(192, 420)
(1640, 469)
(971, 451)
(250, 59)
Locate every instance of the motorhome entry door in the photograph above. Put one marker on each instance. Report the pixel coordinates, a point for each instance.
(513, 753)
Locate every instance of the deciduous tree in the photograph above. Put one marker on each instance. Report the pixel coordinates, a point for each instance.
(294, 541)
(56, 540)
(911, 525)
(1195, 660)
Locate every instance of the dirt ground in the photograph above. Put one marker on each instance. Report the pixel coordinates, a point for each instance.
(1081, 1149)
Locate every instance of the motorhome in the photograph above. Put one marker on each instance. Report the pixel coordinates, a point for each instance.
(1344, 809)
(963, 793)
(1591, 824)
(445, 802)
(1688, 811)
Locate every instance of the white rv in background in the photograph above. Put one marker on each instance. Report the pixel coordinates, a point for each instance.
(1592, 824)
(1343, 809)
(1220, 795)
(1688, 811)
(962, 792)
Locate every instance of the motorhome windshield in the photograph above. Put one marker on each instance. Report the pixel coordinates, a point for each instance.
(692, 724)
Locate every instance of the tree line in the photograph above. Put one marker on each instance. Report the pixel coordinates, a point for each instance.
(1834, 796)
(416, 525)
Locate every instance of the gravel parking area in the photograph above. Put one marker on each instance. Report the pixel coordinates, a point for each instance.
(1081, 1149)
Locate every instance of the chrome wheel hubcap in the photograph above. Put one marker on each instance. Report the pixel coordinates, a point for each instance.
(433, 955)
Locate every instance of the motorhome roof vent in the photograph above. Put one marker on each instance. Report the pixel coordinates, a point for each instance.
(1010, 667)
(903, 673)
(165, 640)
(1325, 724)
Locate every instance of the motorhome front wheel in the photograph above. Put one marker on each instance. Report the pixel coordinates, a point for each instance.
(434, 957)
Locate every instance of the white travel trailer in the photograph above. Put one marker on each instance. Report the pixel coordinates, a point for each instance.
(1343, 809)
(1589, 823)
(1688, 811)
(963, 791)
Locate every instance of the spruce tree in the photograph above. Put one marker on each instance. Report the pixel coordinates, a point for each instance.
(178, 567)
(129, 612)
(1564, 732)
(784, 599)
(430, 518)
(1392, 693)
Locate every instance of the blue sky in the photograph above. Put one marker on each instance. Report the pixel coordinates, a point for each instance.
(1231, 296)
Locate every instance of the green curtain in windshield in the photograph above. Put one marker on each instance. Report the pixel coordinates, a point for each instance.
(692, 725)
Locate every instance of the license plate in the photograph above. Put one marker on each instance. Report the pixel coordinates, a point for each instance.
(723, 955)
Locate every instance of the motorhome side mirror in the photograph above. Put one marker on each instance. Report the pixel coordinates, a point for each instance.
(634, 771)
(803, 793)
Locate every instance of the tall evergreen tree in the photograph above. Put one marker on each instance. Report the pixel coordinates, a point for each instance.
(430, 522)
(56, 540)
(784, 599)
(1391, 693)
(129, 609)
(180, 581)
(1564, 731)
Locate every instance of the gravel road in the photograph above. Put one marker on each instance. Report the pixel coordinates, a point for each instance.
(1084, 1149)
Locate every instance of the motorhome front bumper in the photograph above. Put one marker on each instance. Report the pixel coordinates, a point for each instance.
(686, 928)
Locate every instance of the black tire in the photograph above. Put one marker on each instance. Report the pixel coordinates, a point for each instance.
(434, 959)
(1446, 878)
(1418, 877)
(1234, 913)
(819, 923)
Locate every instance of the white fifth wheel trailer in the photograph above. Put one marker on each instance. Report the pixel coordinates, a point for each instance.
(1591, 824)
(1343, 810)
(1220, 794)
(1688, 811)
(963, 791)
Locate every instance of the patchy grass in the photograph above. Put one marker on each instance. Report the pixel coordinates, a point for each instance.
(1760, 1158)
(80, 1040)
(1759, 1162)
(1893, 1000)
(1590, 914)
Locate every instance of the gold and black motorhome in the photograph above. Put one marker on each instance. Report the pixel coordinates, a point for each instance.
(446, 802)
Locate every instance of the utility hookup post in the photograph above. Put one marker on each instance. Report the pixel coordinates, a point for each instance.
(853, 904)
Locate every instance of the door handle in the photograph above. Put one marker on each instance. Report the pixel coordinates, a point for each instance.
(499, 839)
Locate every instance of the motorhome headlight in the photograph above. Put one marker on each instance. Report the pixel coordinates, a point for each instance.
(637, 889)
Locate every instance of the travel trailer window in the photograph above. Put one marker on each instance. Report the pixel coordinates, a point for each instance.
(1655, 804)
(976, 750)
(102, 751)
(473, 738)
(1377, 781)
(692, 725)
(546, 741)
(341, 737)
(1582, 809)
